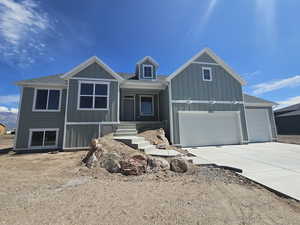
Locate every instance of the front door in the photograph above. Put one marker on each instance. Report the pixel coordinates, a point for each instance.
(128, 108)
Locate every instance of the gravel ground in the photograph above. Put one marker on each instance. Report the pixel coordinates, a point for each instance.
(56, 189)
(290, 139)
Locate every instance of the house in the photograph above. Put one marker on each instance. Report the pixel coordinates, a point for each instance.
(2, 129)
(199, 104)
(288, 120)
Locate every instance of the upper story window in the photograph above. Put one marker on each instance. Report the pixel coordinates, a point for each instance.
(93, 95)
(47, 100)
(206, 73)
(148, 71)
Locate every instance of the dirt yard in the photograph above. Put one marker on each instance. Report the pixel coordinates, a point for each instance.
(291, 139)
(55, 189)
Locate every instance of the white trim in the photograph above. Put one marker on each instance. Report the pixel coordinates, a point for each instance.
(210, 73)
(148, 58)
(140, 84)
(206, 63)
(46, 110)
(93, 79)
(66, 115)
(93, 96)
(216, 58)
(274, 124)
(256, 104)
(269, 122)
(246, 123)
(31, 130)
(171, 112)
(152, 72)
(99, 130)
(87, 63)
(140, 101)
(205, 102)
(18, 118)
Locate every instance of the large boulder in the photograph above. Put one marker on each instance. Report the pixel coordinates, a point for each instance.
(95, 152)
(136, 165)
(179, 165)
(111, 162)
(155, 164)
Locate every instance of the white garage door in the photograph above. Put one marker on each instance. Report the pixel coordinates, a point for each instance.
(259, 127)
(198, 128)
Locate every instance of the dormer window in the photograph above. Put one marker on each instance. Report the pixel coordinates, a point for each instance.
(148, 71)
(206, 73)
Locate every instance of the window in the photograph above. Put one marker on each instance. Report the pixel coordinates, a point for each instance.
(148, 71)
(93, 95)
(47, 100)
(146, 105)
(206, 73)
(41, 138)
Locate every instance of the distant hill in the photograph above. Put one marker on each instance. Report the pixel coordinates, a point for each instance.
(9, 119)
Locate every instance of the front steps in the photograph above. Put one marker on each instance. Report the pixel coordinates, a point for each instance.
(126, 129)
(143, 145)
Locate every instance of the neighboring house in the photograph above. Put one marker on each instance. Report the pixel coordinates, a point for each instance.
(2, 129)
(199, 104)
(288, 120)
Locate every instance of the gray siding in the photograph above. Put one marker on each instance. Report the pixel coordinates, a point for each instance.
(80, 135)
(207, 107)
(74, 115)
(189, 84)
(271, 117)
(94, 71)
(138, 93)
(140, 71)
(164, 109)
(107, 129)
(205, 58)
(29, 119)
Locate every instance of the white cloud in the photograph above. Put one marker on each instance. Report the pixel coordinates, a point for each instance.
(4, 109)
(251, 74)
(209, 11)
(7, 99)
(288, 102)
(22, 26)
(275, 85)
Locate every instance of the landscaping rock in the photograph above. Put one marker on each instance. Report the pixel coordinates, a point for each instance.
(179, 165)
(136, 165)
(111, 162)
(155, 164)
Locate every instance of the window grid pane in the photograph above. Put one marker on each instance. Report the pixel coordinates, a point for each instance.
(96, 98)
(41, 99)
(37, 138)
(50, 138)
(147, 71)
(53, 101)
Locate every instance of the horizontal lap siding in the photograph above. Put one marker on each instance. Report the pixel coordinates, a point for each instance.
(206, 107)
(29, 119)
(271, 119)
(75, 115)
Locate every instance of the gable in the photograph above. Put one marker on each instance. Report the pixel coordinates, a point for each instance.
(94, 71)
(205, 58)
(207, 54)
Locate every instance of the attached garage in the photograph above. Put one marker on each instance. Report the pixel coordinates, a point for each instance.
(259, 125)
(202, 128)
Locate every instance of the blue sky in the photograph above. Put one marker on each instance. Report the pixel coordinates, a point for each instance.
(259, 39)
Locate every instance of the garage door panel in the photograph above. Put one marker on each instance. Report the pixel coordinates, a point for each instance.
(203, 128)
(259, 127)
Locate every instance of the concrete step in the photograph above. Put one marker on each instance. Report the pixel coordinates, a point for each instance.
(126, 133)
(125, 130)
(126, 127)
(148, 148)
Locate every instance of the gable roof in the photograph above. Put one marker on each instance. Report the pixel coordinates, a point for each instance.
(148, 58)
(88, 62)
(252, 100)
(214, 57)
(290, 108)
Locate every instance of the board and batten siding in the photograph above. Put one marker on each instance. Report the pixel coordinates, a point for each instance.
(189, 85)
(75, 115)
(94, 71)
(31, 120)
(164, 109)
(271, 119)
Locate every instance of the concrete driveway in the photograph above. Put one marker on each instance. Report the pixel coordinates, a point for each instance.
(276, 165)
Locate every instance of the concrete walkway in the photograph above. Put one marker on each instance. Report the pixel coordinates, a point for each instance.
(275, 165)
